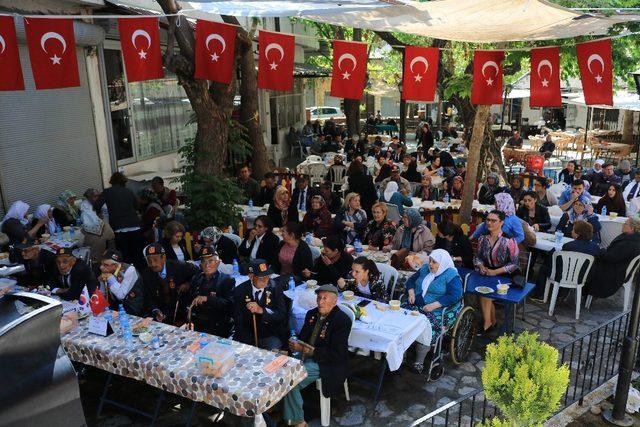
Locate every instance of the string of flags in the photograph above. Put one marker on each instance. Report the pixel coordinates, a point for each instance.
(51, 45)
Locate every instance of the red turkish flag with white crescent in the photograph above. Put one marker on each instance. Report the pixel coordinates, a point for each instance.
(420, 73)
(215, 57)
(140, 41)
(596, 71)
(487, 77)
(98, 302)
(9, 56)
(52, 51)
(349, 73)
(544, 79)
(275, 61)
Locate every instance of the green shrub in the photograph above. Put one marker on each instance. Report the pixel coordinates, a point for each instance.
(523, 379)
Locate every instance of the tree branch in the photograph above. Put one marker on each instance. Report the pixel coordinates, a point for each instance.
(183, 30)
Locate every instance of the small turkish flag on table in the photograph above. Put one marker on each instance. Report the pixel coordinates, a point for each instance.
(544, 82)
(487, 77)
(9, 56)
(420, 75)
(275, 61)
(596, 71)
(215, 56)
(52, 50)
(98, 302)
(349, 73)
(140, 41)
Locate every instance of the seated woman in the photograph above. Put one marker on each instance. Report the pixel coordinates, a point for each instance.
(512, 225)
(581, 209)
(436, 285)
(393, 196)
(488, 190)
(496, 255)
(15, 223)
(367, 281)
(221, 244)
(334, 264)
(385, 172)
(610, 270)
(412, 174)
(452, 239)
(427, 192)
(380, 230)
(455, 190)
(44, 212)
(413, 235)
(613, 201)
(260, 242)
(318, 219)
(173, 242)
(516, 190)
(533, 213)
(351, 221)
(65, 212)
(280, 210)
(294, 255)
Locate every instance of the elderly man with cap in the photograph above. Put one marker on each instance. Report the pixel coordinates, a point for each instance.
(403, 184)
(323, 343)
(121, 283)
(39, 264)
(166, 285)
(259, 309)
(625, 172)
(601, 182)
(72, 276)
(221, 244)
(211, 294)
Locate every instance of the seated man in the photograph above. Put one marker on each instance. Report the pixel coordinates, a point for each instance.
(263, 300)
(249, 186)
(211, 295)
(166, 284)
(72, 276)
(121, 283)
(267, 191)
(324, 348)
(167, 196)
(39, 264)
(515, 141)
(572, 194)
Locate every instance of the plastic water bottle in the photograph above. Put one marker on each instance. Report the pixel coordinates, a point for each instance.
(78, 221)
(292, 284)
(236, 268)
(72, 232)
(294, 337)
(58, 231)
(446, 198)
(250, 203)
(308, 238)
(604, 211)
(559, 236)
(358, 246)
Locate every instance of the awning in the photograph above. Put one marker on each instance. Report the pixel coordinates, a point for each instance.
(621, 101)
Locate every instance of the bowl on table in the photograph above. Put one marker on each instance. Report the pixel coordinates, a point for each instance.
(394, 304)
(45, 237)
(502, 288)
(312, 284)
(348, 295)
(613, 214)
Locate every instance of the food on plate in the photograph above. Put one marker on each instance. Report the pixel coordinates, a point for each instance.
(145, 337)
(348, 295)
(483, 289)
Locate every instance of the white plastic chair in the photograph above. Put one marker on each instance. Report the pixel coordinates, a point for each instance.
(297, 146)
(315, 253)
(632, 270)
(314, 159)
(325, 402)
(317, 172)
(336, 176)
(389, 276)
(393, 214)
(575, 270)
(235, 238)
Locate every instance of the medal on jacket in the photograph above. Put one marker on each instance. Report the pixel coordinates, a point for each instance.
(172, 284)
(323, 331)
(268, 296)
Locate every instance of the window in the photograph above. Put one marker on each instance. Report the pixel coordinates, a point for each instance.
(289, 107)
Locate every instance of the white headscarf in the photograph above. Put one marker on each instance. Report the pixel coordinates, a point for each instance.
(444, 261)
(42, 212)
(390, 189)
(17, 211)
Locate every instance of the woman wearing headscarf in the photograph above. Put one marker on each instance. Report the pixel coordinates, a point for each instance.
(613, 201)
(580, 210)
(516, 190)
(318, 220)
(351, 221)
(393, 196)
(436, 285)
(15, 223)
(427, 192)
(488, 190)
(512, 226)
(455, 190)
(44, 212)
(65, 212)
(281, 211)
(413, 235)
(224, 246)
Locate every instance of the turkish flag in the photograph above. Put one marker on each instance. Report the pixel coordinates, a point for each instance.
(52, 50)
(275, 60)
(349, 73)
(9, 56)
(487, 77)
(544, 79)
(98, 302)
(596, 71)
(140, 41)
(420, 73)
(215, 44)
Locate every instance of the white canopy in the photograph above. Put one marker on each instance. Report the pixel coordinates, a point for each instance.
(622, 100)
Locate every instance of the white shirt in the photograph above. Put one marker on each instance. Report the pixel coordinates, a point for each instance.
(256, 245)
(633, 207)
(628, 188)
(179, 253)
(366, 290)
(121, 289)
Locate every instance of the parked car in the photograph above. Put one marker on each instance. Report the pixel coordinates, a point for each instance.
(323, 113)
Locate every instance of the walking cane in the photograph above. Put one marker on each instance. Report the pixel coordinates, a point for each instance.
(255, 324)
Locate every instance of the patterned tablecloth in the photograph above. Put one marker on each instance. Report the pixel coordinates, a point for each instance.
(246, 390)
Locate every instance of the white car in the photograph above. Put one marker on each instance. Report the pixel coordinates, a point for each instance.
(323, 113)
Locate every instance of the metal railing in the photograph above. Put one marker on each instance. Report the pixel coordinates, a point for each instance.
(593, 359)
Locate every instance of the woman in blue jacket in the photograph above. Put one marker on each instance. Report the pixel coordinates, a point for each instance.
(512, 226)
(393, 196)
(436, 285)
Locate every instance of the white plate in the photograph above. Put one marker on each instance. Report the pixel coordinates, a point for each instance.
(483, 289)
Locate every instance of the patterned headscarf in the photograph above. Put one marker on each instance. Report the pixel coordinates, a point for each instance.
(415, 219)
(63, 203)
(212, 233)
(586, 201)
(504, 203)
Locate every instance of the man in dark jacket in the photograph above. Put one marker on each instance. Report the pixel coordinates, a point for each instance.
(268, 190)
(72, 276)
(166, 285)
(212, 296)
(39, 264)
(600, 183)
(260, 309)
(303, 193)
(121, 283)
(323, 343)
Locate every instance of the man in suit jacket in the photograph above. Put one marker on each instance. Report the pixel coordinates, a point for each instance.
(260, 242)
(323, 343)
(72, 276)
(258, 298)
(303, 193)
(40, 265)
(166, 285)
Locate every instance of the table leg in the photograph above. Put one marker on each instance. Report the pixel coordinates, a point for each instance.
(191, 412)
(157, 408)
(383, 370)
(259, 421)
(103, 397)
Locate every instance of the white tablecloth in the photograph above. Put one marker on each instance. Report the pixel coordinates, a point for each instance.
(611, 227)
(547, 241)
(417, 203)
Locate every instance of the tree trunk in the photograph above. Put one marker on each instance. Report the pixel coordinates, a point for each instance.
(491, 155)
(468, 194)
(627, 127)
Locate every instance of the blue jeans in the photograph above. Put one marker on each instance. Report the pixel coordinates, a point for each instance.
(293, 412)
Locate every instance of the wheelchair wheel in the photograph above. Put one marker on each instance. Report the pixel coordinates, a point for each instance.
(436, 372)
(462, 335)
